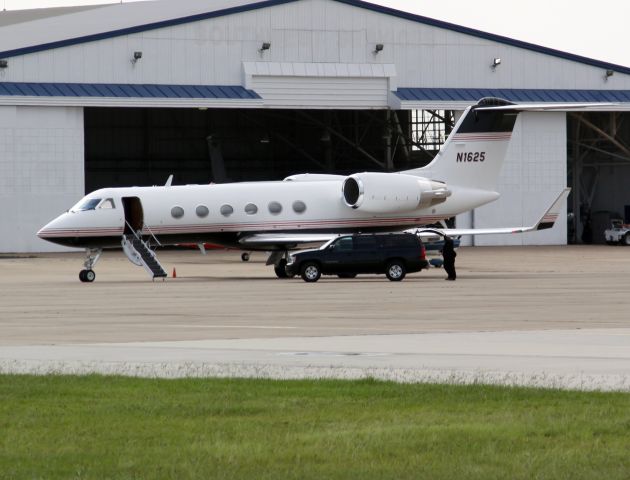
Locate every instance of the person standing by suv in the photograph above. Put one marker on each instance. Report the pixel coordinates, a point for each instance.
(449, 254)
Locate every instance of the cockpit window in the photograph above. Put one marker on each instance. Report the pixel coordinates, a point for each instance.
(107, 203)
(88, 204)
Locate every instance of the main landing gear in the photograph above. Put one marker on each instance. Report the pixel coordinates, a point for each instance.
(279, 261)
(91, 257)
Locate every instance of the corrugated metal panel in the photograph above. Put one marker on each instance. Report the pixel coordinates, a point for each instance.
(322, 92)
(126, 90)
(321, 85)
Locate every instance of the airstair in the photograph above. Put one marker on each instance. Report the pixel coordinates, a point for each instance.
(139, 253)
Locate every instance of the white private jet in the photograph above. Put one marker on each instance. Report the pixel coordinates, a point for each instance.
(278, 216)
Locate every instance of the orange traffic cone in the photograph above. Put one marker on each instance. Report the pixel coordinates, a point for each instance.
(174, 273)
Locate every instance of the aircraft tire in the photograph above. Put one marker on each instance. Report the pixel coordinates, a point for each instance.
(395, 271)
(310, 272)
(82, 275)
(245, 257)
(90, 276)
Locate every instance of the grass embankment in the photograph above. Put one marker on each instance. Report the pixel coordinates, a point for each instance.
(113, 427)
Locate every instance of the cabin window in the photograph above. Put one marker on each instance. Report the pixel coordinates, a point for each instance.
(226, 210)
(177, 212)
(251, 209)
(107, 203)
(89, 204)
(274, 208)
(202, 211)
(299, 206)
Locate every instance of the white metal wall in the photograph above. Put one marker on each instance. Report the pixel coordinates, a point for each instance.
(213, 51)
(533, 175)
(41, 171)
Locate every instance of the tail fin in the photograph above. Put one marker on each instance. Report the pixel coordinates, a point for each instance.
(473, 154)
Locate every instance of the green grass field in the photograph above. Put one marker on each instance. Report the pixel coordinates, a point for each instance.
(114, 427)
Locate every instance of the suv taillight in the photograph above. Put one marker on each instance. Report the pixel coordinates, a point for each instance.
(423, 253)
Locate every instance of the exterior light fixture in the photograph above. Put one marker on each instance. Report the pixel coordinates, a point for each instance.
(4, 64)
(265, 46)
(609, 73)
(378, 48)
(136, 56)
(495, 63)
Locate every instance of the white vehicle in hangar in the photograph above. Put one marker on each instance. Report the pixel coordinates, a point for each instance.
(618, 233)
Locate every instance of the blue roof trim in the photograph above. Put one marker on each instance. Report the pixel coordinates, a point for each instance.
(485, 35)
(513, 95)
(354, 3)
(18, 89)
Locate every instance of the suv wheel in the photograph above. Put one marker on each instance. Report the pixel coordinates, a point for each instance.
(310, 272)
(395, 270)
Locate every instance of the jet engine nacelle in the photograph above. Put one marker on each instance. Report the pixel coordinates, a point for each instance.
(375, 192)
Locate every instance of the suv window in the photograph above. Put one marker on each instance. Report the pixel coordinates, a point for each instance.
(365, 243)
(344, 244)
(399, 241)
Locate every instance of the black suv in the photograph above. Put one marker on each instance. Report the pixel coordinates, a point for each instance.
(393, 254)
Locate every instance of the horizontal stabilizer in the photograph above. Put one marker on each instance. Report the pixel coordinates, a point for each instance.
(547, 220)
(552, 107)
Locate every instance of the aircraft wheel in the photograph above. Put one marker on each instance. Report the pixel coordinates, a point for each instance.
(245, 257)
(310, 272)
(89, 276)
(395, 271)
(280, 269)
(82, 275)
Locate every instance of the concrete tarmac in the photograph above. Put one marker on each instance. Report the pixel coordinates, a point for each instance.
(546, 316)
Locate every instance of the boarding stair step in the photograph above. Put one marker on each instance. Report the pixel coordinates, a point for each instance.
(148, 258)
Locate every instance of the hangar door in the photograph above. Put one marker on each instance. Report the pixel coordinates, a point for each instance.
(143, 146)
(599, 173)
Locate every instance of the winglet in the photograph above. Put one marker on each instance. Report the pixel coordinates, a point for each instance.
(169, 181)
(551, 215)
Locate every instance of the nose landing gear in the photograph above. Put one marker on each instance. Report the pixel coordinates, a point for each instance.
(87, 275)
(91, 257)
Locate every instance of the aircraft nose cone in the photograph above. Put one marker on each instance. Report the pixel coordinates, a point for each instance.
(51, 229)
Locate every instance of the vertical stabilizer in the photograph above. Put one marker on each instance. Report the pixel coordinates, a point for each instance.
(474, 153)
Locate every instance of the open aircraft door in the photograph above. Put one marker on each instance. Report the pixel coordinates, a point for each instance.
(134, 215)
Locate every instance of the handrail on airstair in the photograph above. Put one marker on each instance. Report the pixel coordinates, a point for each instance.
(152, 235)
(139, 237)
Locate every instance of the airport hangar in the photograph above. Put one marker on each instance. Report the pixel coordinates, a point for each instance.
(127, 94)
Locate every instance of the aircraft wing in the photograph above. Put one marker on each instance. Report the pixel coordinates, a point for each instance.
(547, 220)
(261, 240)
(273, 241)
